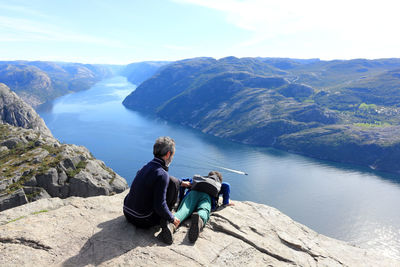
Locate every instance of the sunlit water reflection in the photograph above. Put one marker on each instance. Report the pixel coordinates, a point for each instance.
(342, 201)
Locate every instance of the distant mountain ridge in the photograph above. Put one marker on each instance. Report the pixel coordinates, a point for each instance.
(313, 107)
(37, 82)
(138, 72)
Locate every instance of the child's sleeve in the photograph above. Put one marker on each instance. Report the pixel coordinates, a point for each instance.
(225, 191)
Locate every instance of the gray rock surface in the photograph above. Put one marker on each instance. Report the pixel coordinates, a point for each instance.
(14, 111)
(13, 199)
(93, 232)
(38, 166)
(35, 193)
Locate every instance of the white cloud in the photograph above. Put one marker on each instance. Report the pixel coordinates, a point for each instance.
(358, 22)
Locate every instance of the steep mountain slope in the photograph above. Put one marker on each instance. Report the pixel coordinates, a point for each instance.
(34, 165)
(16, 112)
(219, 97)
(169, 79)
(252, 101)
(37, 81)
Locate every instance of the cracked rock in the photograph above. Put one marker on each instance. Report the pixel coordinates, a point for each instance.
(94, 232)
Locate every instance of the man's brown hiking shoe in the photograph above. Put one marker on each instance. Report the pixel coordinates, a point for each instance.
(167, 232)
(195, 227)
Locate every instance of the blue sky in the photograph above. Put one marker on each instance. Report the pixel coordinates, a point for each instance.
(125, 31)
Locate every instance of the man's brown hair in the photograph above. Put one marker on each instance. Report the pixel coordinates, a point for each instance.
(216, 173)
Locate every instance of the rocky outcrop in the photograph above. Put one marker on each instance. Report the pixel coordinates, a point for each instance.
(34, 166)
(16, 112)
(13, 199)
(93, 231)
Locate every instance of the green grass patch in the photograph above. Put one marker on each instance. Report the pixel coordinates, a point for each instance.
(4, 131)
(38, 212)
(17, 219)
(20, 157)
(31, 196)
(17, 152)
(366, 107)
(51, 149)
(113, 178)
(372, 125)
(110, 171)
(80, 166)
(8, 172)
(20, 183)
(21, 217)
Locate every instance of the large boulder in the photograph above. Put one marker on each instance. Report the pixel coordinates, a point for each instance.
(93, 232)
(13, 199)
(14, 111)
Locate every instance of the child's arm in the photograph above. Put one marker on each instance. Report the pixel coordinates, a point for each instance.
(186, 183)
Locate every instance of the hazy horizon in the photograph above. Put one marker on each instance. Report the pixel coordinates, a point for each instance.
(123, 64)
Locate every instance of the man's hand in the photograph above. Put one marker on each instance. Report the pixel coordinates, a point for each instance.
(176, 222)
(186, 184)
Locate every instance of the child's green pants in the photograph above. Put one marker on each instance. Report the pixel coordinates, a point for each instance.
(195, 201)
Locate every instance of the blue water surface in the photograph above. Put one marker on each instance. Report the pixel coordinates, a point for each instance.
(346, 202)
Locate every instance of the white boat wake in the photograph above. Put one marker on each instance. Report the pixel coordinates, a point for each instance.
(232, 170)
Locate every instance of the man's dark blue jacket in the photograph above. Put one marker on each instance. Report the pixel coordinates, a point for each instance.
(148, 192)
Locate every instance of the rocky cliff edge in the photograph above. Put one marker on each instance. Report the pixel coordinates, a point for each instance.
(34, 165)
(93, 231)
(14, 111)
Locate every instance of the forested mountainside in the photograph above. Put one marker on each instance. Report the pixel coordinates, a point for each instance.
(339, 110)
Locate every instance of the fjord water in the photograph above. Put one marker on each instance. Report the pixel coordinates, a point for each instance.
(346, 202)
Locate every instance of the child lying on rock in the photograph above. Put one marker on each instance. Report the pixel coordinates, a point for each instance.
(198, 204)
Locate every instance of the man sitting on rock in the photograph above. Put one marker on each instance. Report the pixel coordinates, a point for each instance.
(153, 192)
